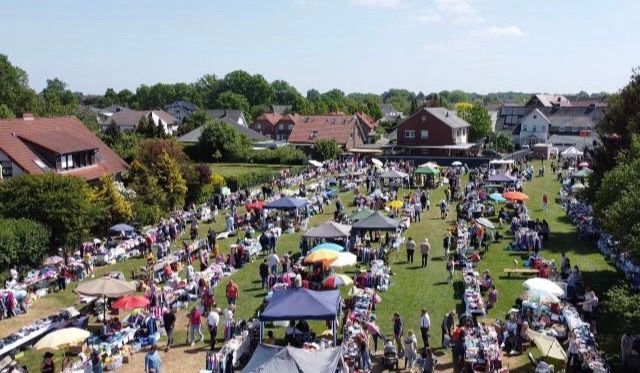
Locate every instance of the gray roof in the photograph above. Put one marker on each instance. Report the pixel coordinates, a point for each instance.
(184, 105)
(226, 115)
(387, 109)
(194, 135)
(281, 109)
(448, 117)
(114, 109)
(565, 141)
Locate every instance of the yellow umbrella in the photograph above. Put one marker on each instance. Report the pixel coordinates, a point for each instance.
(549, 346)
(62, 338)
(396, 204)
(322, 255)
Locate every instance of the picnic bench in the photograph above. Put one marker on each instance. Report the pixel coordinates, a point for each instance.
(522, 271)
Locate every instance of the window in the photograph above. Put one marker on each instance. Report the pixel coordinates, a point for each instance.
(281, 126)
(7, 169)
(290, 127)
(424, 134)
(259, 126)
(409, 134)
(424, 118)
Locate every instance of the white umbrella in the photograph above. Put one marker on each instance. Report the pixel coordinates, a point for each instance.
(456, 164)
(315, 163)
(543, 286)
(485, 223)
(62, 338)
(430, 164)
(344, 260)
(376, 162)
(578, 186)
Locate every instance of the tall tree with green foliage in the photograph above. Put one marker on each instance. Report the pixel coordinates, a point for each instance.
(171, 181)
(114, 206)
(58, 99)
(232, 100)
(479, 119)
(62, 203)
(218, 137)
(150, 201)
(5, 112)
(149, 129)
(15, 92)
(23, 243)
(326, 149)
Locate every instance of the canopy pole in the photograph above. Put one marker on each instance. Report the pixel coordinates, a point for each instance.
(333, 329)
(261, 330)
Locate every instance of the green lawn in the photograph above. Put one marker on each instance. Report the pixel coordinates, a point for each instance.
(414, 288)
(236, 169)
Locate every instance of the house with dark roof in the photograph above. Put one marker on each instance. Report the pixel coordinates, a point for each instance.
(63, 145)
(433, 131)
(229, 116)
(127, 121)
(181, 110)
(348, 130)
(281, 109)
(389, 113)
(265, 124)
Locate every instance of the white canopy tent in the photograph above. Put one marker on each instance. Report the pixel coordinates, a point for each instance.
(571, 152)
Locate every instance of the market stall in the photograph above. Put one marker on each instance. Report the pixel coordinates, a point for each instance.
(268, 358)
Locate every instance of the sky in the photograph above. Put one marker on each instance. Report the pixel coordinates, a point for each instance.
(354, 45)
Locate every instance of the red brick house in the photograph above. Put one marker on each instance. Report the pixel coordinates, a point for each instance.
(63, 145)
(433, 130)
(348, 130)
(265, 124)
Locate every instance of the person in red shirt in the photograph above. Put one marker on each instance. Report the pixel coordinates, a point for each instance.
(545, 202)
(232, 292)
(195, 320)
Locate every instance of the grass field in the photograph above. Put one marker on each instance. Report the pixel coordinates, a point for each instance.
(236, 169)
(412, 288)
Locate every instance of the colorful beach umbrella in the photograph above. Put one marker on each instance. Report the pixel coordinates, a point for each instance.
(321, 256)
(337, 280)
(130, 302)
(515, 196)
(344, 260)
(328, 246)
(396, 204)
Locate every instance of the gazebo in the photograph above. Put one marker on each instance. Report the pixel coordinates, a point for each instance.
(302, 304)
(328, 230)
(571, 153)
(286, 203)
(376, 222)
(428, 175)
(268, 358)
(392, 174)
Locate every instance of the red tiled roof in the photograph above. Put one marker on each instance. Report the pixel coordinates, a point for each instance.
(271, 118)
(337, 127)
(367, 120)
(60, 135)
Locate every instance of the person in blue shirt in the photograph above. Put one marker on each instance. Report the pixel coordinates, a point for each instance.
(152, 362)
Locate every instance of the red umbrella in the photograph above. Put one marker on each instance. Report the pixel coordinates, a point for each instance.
(583, 164)
(130, 302)
(255, 205)
(515, 196)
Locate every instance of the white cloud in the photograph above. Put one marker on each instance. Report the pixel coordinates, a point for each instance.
(456, 6)
(465, 20)
(428, 17)
(506, 31)
(387, 4)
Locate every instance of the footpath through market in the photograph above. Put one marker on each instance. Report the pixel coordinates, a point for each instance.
(400, 287)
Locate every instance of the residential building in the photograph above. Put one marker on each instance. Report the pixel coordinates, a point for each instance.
(281, 109)
(128, 120)
(534, 128)
(63, 145)
(229, 116)
(181, 110)
(389, 113)
(279, 127)
(193, 136)
(103, 116)
(265, 124)
(348, 130)
(433, 131)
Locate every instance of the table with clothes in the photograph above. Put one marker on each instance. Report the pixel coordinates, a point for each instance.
(377, 278)
(472, 297)
(481, 347)
(232, 352)
(622, 259)
(29, 334)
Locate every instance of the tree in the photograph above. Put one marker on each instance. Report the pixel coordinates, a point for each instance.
(197, 119)
(207, 89)
(23, 242)
(115, 207)
(231, 100)
(479, 119)
(254, 88)
(15, 92)
(326, 149)
(151, 150)
(61, 203)
(258, 110)
(620, 122)
(125, 145)
(617, 202)
(5, 112)
(622, 307)
(171, 181)
(284, 93)
(147, 188)
(220, 137)
(149, 129)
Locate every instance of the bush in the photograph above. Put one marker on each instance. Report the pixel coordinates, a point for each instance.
(217, 182)
(23, 242)
(288, 155)
(237, 182)
(145, 214)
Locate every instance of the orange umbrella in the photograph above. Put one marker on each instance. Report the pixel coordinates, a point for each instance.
(321, 256)
(515, 196)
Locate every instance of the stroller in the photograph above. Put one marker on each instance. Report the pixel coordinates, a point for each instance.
(390, 359)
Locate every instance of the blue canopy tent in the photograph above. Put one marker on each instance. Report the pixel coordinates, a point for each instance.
(286, 203)
(269, 358)
(302, 304)
(501, 178)
(120, 229)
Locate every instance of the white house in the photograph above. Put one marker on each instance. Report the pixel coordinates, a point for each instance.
(534, 128)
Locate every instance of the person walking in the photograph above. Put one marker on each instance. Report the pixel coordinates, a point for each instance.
(418, 212)
(450, 268)
(232, 292)
(411, 248)
(152, 362)
(411, 350)
(446, 245)
(425, 249)
(212, 322)
(447, 328)
(545, 202)
(273, 262)
(425, 325)
(169, 321)
(398, 331)
(423, 200)
(264, 273)
(443, 209)
(195, 321)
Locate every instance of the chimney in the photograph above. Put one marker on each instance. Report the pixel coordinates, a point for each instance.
(447, 115)
(27, 116)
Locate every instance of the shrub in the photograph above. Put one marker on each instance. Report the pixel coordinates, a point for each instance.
(217, 182)
(237, 182)
(288, 155)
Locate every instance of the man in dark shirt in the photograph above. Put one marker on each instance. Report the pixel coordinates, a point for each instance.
(398, 331)
(169, 319)
(264, 272)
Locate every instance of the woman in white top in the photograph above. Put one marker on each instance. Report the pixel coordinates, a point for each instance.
(410, 350)
(572, 350)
